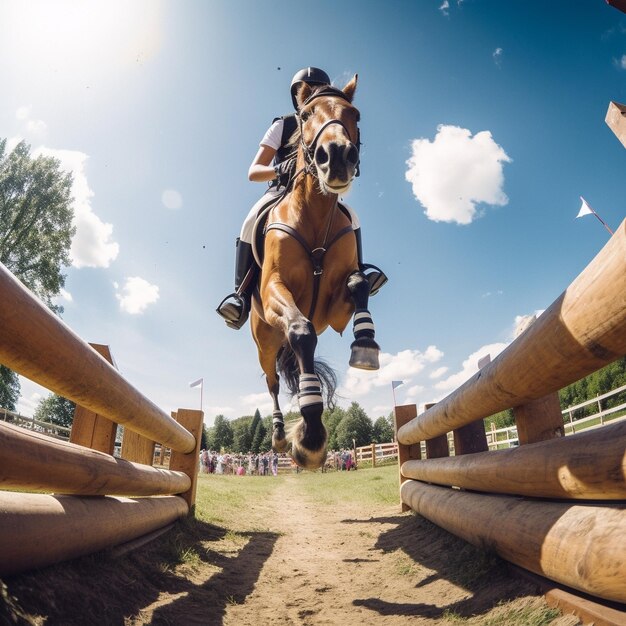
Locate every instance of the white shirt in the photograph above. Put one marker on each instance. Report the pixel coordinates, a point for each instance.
(273, 136)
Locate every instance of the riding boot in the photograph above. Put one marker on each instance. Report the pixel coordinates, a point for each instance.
(375, 276)
(235, 307)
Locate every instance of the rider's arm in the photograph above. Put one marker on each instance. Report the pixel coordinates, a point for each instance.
(261, 169)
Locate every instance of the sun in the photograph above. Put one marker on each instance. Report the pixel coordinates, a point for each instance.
(67, 36)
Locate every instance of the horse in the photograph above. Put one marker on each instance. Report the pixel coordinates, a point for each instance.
(310, 265)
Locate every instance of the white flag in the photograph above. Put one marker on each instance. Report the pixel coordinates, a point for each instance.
(585, 209)
(196, 383)
(396, 383)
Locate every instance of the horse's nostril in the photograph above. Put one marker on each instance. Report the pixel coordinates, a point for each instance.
(353, 155)
(321, 156)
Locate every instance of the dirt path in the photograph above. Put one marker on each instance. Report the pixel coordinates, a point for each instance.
(360, 564)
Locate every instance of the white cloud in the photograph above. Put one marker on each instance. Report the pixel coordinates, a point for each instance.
(455, 172)
(444, 8)
(469, 367)
(401, 366)
(92, 245)
(172, 199)
(136, 295)
(438, 373)
(497, 56)
(621, 63)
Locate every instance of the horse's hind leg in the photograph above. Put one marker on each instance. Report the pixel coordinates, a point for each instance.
(279, 439)
(268, 345)
(364, 350)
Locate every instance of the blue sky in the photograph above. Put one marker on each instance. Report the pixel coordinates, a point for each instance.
(482, 124)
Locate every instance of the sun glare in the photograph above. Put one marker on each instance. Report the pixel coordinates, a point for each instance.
(74, 35)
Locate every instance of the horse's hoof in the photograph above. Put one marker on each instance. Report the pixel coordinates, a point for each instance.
(279, 440)
(364, 355)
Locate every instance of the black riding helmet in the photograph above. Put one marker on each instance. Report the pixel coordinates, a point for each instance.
(310, 76)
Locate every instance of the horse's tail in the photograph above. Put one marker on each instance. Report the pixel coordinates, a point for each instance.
(287, 367)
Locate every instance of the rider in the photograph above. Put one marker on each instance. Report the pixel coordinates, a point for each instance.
(275, 147)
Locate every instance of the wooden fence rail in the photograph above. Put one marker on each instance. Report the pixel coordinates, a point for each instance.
(577, 538)
(38, 529)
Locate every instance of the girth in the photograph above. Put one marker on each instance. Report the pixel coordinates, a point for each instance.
(316, 255)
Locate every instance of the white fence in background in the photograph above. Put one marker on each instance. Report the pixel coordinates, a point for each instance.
(53, 430)
(507, 437)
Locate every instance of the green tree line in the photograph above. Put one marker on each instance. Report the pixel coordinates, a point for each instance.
(345, 427)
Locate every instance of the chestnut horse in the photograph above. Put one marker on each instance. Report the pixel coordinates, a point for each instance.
(310, 276)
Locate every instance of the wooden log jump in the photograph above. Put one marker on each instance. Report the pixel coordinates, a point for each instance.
(587, 466)
(578, 543)
(582, 331)
(37, 529)
(40, 463)
(37, 344)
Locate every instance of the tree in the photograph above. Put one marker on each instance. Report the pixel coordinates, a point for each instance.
(35, 220)
(9, 388)
(355, 425)
(332, 419)
(55, 410)
(382, 431)
(258, 437)
(35, 232)
(242, 438)
(222, 435)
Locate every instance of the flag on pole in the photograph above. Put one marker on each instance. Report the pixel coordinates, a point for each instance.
(585, 209)
(196, 383)
(396, 383)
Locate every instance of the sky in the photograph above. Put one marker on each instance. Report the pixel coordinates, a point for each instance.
(482, 124)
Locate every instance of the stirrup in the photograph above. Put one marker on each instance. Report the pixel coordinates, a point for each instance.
(235, 314)
(376, 277)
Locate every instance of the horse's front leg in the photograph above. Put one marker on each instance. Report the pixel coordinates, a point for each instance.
(309, 437)
(364, 350)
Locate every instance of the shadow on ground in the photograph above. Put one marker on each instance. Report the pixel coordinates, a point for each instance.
(483, 575)
(195, 570)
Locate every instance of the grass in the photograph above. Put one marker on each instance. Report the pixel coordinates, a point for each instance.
(371, 486)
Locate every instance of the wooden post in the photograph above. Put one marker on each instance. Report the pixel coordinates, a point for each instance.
(539, 420)
(137, 448)
(616, 120)
(402, 415)
(90, 429)
(472, 437)
(438, 446)
(373, 455)
(189, 463)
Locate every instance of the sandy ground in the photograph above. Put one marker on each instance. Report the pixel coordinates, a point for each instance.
(351, 565)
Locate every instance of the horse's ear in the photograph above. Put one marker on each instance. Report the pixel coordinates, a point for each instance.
(304, 91)
(350, 88)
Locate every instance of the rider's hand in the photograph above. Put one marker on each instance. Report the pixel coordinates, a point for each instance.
(285, 170)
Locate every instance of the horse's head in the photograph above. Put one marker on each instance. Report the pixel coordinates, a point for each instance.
(330, 134)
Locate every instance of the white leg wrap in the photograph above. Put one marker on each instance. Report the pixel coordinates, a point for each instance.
(310, 390)
(362, 322)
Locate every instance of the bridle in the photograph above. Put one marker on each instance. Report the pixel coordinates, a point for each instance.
(308, 150)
